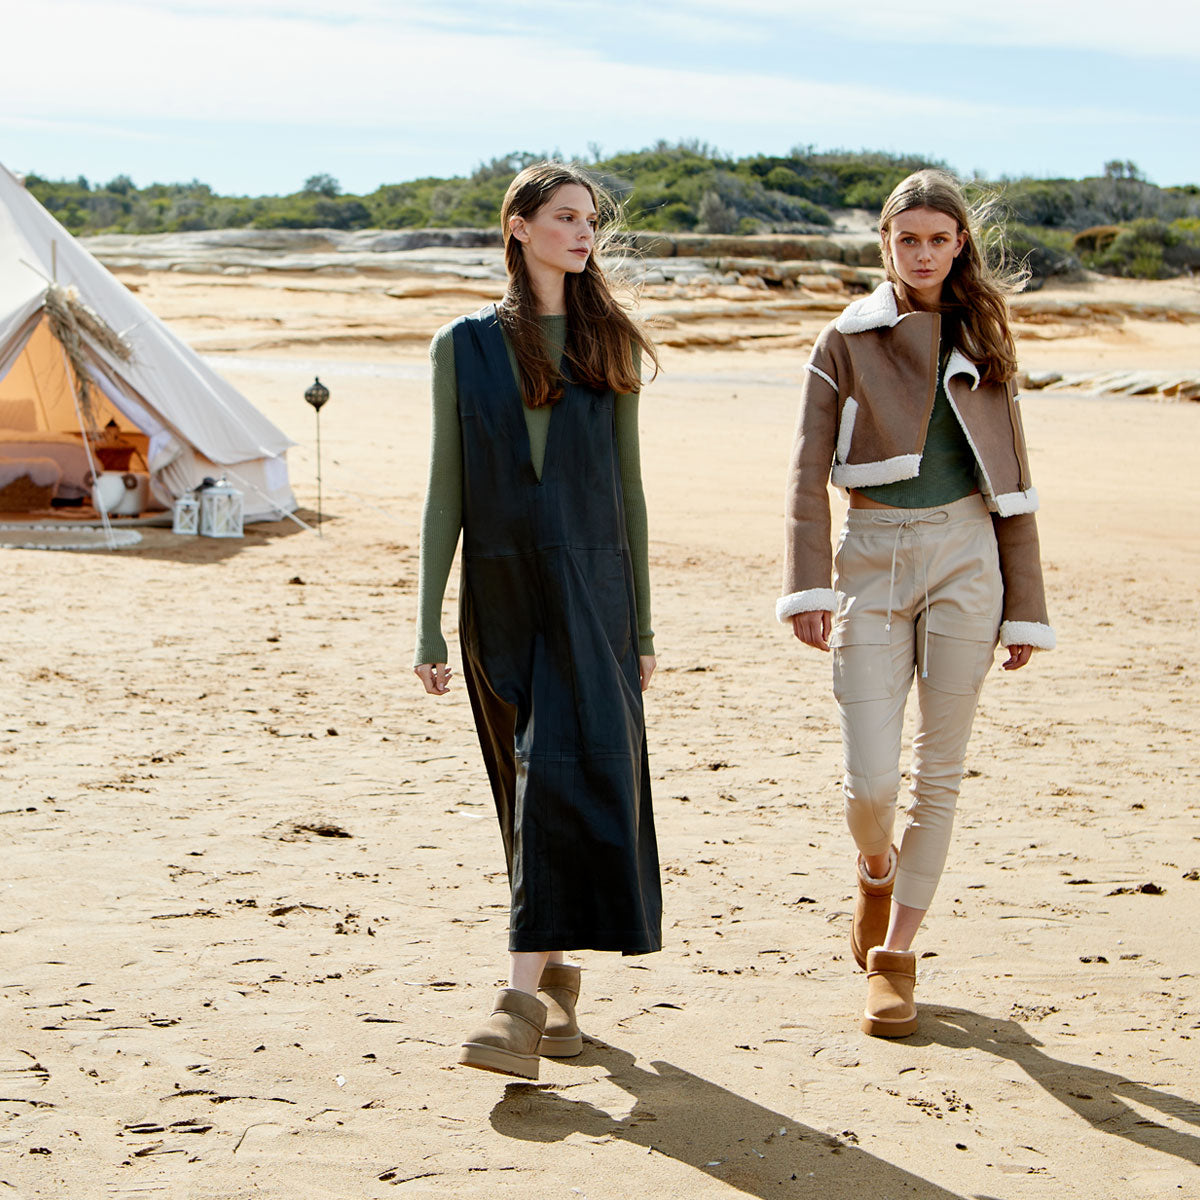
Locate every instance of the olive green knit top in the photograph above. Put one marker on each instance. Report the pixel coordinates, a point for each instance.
(441, 521)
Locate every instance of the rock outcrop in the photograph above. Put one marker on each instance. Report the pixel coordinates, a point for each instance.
(695, 290)
(470, 252)
(853, 249)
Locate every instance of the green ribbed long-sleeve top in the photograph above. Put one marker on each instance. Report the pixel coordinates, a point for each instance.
(441, 521)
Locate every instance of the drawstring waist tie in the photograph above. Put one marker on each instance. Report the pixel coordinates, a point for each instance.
(913, 523)
(969, 509)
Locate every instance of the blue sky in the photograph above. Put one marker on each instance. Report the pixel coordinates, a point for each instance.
(254, 96)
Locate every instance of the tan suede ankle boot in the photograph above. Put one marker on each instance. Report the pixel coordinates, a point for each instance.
(891, 978)
(558, 989)
(872, 910)
(508, 1042)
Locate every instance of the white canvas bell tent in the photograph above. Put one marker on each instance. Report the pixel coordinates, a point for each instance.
(78, 351)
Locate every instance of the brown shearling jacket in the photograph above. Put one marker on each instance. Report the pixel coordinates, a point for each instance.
(865, 405)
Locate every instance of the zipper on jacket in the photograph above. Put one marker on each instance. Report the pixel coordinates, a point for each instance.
(1014, 417)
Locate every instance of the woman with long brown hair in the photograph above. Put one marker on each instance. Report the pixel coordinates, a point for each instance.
(535, 459)
(909, 403)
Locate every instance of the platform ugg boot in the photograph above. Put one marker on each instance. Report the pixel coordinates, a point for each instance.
(872, 909)
(508, 1042)
(891, 978)
(558, 989)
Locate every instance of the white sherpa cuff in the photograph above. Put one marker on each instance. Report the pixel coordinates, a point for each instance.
(1011, 504)
(812, 600)
(874, 474)
(1027, 633)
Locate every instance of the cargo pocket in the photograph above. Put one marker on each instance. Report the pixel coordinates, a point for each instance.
(961, 650)
(862, 661)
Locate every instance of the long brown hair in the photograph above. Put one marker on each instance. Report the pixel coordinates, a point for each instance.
(600, 334)
(975, 294)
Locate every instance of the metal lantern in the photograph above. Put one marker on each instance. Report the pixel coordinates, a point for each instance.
(316, 395)
(221, 511)
(185, 516)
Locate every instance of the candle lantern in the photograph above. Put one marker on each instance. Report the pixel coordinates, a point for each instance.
(220, 511)
(185, 515)
(316, 395)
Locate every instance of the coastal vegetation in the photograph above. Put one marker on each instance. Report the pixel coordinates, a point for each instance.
(1117, 221)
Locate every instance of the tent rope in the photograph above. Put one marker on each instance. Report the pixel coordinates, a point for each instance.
(250, 487)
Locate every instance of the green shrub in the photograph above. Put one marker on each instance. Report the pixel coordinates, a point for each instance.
(1147, 261)
(784, 179)
(870, 193)
(715, 216)
(675, 217)
(1150, 249)
(1045, 252)
(814, 214)
(663, 187)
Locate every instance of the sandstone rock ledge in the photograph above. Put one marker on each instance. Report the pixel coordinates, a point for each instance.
(374, 289)
(469, 253)
(1160, 385)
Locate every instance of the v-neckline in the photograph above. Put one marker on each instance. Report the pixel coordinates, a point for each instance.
(520, 431)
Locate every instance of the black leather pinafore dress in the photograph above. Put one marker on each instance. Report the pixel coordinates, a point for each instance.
(548, 628)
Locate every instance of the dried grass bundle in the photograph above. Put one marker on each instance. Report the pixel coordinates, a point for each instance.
(70, 321)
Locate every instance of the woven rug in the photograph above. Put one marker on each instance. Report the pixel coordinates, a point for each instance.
(65, 537)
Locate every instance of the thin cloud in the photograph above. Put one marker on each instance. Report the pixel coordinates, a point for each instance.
(86, 128)
(1163, 28)
(251, 64)
(439, 86)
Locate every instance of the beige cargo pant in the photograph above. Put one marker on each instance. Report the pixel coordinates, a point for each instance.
(918, 591)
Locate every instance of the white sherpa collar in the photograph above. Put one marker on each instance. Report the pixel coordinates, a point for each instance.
(959, 364)
(879, 310)
(871, 312)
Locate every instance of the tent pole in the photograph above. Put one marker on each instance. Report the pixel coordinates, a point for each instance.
(319, 530)
(87, 447)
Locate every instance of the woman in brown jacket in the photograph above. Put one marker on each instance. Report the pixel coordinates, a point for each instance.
(909, 404)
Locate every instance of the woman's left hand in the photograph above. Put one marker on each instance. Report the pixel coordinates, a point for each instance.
(646, 665)
(1018, 656)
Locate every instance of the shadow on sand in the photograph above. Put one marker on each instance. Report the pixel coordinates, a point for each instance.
(165, 546)
(1099, 1097)
(768, 1154)
(157, 541)
(719, 1133)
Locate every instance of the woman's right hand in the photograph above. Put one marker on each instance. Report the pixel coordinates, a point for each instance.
(812, 628)
(435, 677)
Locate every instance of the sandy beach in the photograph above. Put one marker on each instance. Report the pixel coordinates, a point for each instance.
(254, 892)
